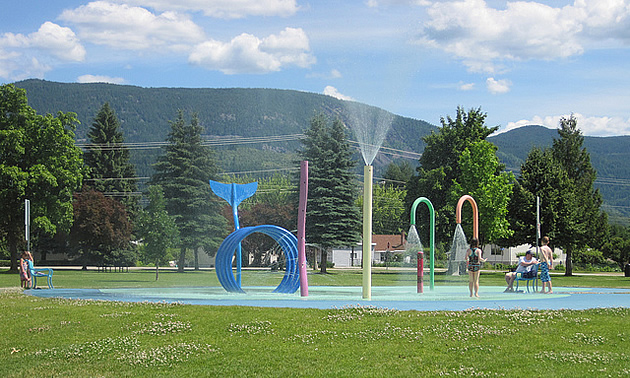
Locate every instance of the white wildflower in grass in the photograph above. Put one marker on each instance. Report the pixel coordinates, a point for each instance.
(116, 314)
(388, 332)
(166, 355)
(591, 360)
(357, 312)
(470, 372)
(257, 327)
(43, 328)
(580, 338)
(92, 350)
(163, 328)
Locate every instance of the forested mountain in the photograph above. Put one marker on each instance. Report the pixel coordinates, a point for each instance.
(144, 114)
(234, 116)
(609, 156)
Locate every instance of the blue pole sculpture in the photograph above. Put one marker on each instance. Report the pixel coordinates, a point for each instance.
(234, 194)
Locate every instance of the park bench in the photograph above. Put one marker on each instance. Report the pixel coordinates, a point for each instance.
(531, 276)
(40, 272)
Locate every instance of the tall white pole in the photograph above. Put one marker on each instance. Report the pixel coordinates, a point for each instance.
(368, 172)
(27, 223)
(537, 224)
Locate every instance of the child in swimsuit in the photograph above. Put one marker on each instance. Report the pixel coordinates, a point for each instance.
(473, 265)
(25, 279)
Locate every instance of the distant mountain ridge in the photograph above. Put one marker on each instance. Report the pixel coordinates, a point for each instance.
(610, 156)
(145, 113)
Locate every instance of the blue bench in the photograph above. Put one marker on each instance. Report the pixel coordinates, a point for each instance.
(40, 272)
(533, 279)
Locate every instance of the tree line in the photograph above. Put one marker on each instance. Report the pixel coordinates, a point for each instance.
(93, 199)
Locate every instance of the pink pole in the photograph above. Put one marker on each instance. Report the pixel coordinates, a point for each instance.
(301, 230)
(420, 288)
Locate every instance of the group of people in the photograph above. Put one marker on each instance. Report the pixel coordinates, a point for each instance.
(25, 275)
(474, 260)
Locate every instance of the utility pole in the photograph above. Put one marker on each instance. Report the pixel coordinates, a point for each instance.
(27, 223)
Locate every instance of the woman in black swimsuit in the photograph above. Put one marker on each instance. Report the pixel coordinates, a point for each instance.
(473, 265)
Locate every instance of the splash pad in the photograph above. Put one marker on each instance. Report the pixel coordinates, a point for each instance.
(447, 298)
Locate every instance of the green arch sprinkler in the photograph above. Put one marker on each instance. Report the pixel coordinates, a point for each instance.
(431, 242)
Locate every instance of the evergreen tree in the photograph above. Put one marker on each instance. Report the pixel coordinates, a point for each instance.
(563, 177)
(439, 167)
(157, 229)
(332, 218)
(581, 222)
(111, 172)
(183, 172)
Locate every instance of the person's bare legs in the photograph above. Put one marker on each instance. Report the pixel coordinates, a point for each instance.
(471, 282)
(509, 279)
(476, 282)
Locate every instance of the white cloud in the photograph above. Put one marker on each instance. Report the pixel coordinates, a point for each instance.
(228, 9)
(31, 55)
(591, 126)
(121, 26)
(466, 86)
(333, 92)
(100, 79)
(483, 37)
(247, 53)
(498, 86)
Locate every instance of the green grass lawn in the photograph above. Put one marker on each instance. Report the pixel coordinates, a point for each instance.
(81, 338)
(92, 279)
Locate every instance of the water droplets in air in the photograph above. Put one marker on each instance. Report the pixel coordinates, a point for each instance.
(370, 126)
(413, 245)
(457, 254)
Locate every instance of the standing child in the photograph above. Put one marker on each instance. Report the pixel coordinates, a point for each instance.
(25, 279)
(473, 265)
(546, 264)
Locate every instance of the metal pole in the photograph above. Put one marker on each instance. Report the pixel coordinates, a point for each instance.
(537, 224)
(27, 223)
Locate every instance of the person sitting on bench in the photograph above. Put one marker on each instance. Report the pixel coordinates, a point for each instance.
(525, 264)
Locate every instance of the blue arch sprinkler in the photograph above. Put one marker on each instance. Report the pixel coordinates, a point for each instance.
(431, 241)
(234, 194)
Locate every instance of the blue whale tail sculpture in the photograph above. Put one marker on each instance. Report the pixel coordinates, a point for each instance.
(234, 194)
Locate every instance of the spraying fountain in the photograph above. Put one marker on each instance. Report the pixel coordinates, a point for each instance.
(370, 126)
(460, 245)
(413, 233)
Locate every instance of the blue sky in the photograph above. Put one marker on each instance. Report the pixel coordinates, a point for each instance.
(522, 62)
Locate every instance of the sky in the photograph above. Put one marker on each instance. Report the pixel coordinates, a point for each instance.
(521, 62)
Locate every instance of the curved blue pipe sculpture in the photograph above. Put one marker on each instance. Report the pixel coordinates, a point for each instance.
(287, 241)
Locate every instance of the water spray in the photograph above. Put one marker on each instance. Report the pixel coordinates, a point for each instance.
(420, 284)
(370, 126)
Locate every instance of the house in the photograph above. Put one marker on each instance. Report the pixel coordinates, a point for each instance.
(343, 257)
(510, 255)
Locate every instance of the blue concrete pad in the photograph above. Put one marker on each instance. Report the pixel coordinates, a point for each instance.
(394, 297)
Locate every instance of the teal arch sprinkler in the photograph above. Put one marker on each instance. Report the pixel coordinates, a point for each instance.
(431, 241)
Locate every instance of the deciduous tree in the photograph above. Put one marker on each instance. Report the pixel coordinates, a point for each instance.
(439, 166)
(101, 232)
(157, 229)
(483, 179)
(39, 161)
